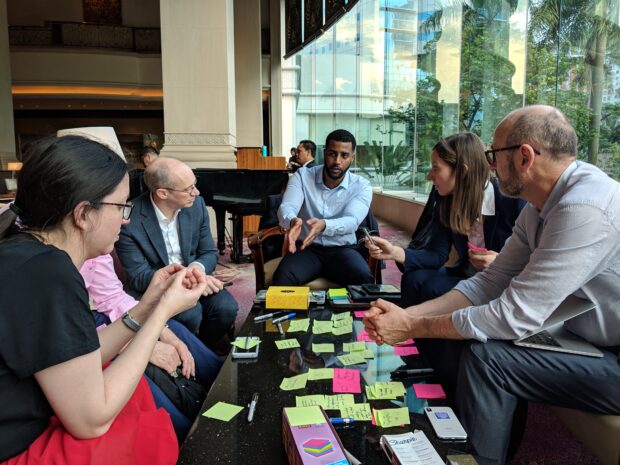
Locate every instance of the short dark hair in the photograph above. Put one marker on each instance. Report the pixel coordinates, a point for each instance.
(148, 150)
(309, 145)
(59, 173)
(341, 135)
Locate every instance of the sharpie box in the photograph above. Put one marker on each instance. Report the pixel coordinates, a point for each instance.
(289, 297)
(316, 444)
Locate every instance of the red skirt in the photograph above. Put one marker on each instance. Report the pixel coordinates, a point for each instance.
(140, 435)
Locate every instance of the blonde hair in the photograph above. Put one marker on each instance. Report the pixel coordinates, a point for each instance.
(464, 153)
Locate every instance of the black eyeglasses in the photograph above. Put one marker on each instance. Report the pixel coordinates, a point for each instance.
(490, 154)
(127, 207)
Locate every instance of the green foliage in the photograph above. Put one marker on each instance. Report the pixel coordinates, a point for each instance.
(390, 164)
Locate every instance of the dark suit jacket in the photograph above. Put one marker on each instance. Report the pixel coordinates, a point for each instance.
(141, 248)
(497, 229)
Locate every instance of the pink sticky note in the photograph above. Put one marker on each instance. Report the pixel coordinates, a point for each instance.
(406, 343)
(364, 336)
(346, 380)
(429, 391)
(403, 351)
(359, 313)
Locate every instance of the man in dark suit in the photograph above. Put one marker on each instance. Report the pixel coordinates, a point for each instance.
(170, 224)
(306, 151)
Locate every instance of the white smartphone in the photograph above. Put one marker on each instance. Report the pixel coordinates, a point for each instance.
(444, 422)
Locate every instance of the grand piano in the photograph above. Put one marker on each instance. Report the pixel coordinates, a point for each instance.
(239, 192)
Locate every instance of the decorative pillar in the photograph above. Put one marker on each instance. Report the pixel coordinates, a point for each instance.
(198, 74)
(7, 126)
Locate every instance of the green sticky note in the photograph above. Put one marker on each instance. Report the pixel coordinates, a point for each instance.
(341, 323)
(322, 327)
(354, 346)
(309, 401)
(359, 412)
(295, 382)
(337, 401)
(368, 354)
(343, 330)
(342, 316)
(223, 411)
(354, 358)
(341, 292)
(323, 348)
(241, 342)
(287, 344)
(301, 416)
(299, 325)
(389, 417)
(315, 374)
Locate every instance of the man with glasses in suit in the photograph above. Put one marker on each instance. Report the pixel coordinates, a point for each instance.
(170, 224)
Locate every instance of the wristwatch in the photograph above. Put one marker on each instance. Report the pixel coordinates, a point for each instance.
(130, 322)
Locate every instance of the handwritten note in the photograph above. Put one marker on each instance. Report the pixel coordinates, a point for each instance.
(385, 390)
(323, 348)
(315, 374)
(354, 358)
(346, 380)
(301, 416)
(309, 401)
(354, 346)
(322, 327)
(341, 316)
(429, 391)
(389, 417)
(241, 343)
(295, 382)
(359, 412)
(341, 323)
(223, 411)
(337, 401)
(406, 350)
(368, 354)
(287, 344)
(299, 325)
(346, 329)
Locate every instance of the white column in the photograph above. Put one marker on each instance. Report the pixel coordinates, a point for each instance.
(198, 72)
(275, 92)
(7, 126)
(248, 89)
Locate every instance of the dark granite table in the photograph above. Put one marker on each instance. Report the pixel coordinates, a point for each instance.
(260, 442)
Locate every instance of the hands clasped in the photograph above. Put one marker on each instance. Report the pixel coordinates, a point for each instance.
(387, 323)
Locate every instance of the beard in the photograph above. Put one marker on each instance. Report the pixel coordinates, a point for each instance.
(512, 186)
(335, 176)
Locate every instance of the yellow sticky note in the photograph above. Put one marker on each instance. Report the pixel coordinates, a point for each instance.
(354, 358)
(242, 344)
(343, 330)
(223, 411)
(389, 417)
(341, 323)
(295, 382)
(301, 416)
(299, 325)
(341, 316)
(359, 412)
(340, 292)
(368, 354)
(321, 327)
(315, 374)
(337, 401)
(309, 401)
(354, 346)
(323, 348)
(287, 344)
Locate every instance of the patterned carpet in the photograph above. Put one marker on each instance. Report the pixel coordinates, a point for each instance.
(546, 442)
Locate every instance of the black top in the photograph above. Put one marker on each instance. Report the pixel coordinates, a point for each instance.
(44, 320)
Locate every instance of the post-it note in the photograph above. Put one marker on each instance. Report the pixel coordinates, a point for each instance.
(359, 313)
(309, 401)
(364, 336)
(341, 316)
(315, 374)
(335, 293)
(346, 329)
(301, 416)
(321, 327)
(389, 417)
(346, 380)
(223, 411)
(359, 412)
(242, 344)
(354, 346)
(323, 348)
(295, 382)
(403, 351)
(354, 358)
(337, 401)
(405, 343)
(429, 391)
(368, 354)
(301, 325)
(287, 344)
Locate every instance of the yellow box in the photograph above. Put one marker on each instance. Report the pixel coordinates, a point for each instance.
(293, 297)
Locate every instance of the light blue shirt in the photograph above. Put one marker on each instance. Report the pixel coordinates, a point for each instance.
(571, 246)
(343, 208)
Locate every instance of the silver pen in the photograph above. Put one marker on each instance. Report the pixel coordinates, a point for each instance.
(253, 407)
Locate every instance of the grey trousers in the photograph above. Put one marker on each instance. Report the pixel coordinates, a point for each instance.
(491, 379)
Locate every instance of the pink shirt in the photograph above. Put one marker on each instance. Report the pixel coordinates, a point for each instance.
(104, 287)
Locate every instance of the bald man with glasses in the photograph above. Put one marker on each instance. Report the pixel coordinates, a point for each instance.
(170, 224)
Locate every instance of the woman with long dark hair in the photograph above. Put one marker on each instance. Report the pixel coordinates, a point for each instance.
(57, 402)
